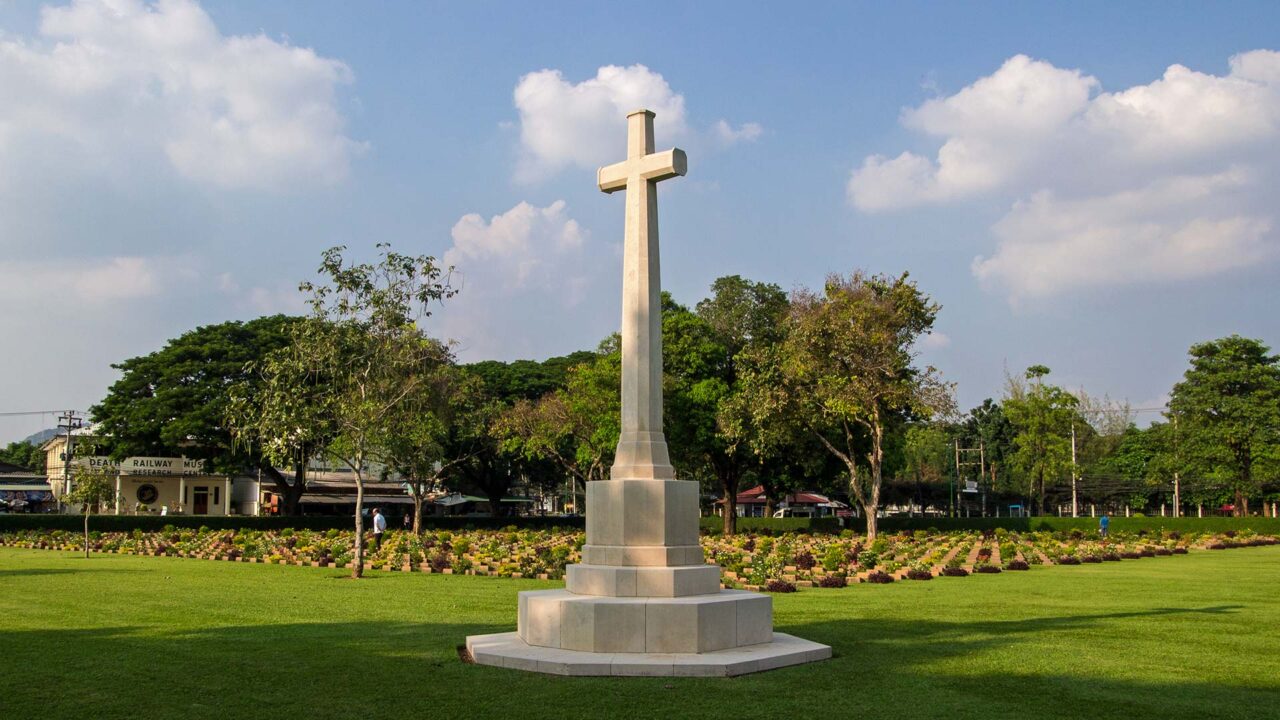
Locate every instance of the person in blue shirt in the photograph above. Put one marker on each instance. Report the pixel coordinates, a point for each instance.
(1103, 524)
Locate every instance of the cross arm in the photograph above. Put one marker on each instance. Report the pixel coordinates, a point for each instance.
(663, 165)
(655, 166)
(612, 178)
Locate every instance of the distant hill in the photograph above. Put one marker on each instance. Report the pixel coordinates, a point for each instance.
(41, 437)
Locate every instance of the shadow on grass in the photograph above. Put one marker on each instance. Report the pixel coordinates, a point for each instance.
(36, 572)
(884, 668)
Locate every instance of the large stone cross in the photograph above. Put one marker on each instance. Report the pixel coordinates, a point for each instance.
(642, 449)
(643, 601)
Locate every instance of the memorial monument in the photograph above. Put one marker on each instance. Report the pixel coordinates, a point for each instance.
(643, 601)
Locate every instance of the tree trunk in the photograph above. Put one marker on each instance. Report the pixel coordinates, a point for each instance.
(495, 504)
(729, 486)
(417, 513)
(86, 531)
(292, 494)
(357, 567)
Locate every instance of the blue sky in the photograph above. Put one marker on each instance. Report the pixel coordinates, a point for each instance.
(1042, 172)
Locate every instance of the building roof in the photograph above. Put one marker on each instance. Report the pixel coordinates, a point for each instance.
(17, 473)
(756, 496)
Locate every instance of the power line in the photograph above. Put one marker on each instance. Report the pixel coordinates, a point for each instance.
(34, 412)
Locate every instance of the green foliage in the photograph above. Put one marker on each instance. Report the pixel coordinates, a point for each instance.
(833, 558)
(24, 454)
(1227, 410)
(175, 401)
(1042, 415)
(845, 372)
(94, 490)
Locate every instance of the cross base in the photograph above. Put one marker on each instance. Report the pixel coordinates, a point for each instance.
(509, 651)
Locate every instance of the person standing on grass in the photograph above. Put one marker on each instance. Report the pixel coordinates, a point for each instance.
(408, 522)
(379, 527)
(1103, 524)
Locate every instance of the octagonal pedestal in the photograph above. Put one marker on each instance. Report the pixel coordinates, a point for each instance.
(509, 651)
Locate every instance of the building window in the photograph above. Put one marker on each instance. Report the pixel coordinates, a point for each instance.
(215, 494)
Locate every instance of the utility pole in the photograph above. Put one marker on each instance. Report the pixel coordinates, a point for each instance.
(952, 495)
(1177, 485)
(982, 473)
(981, 463)
(1075, 498)
(68, 421)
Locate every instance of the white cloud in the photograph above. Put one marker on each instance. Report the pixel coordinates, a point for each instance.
(269, 300)
(110, 84)
(97, 281)
(1161, 181)
(1176, 228)
(992, 129)
(526, 262)
(728, 135)
(582, 124)
(935, 341)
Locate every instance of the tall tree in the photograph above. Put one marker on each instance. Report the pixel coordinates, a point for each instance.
(416, 449)
(704, 414)
(1227, 407)
(361, 354)
(928, 459)
(988, 427)
(576, 427)
(175, 401)
(488, 468)
(24, 454)
(845, 372)
(1042, 415)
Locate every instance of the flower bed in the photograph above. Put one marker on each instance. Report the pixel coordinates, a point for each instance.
(748, 560)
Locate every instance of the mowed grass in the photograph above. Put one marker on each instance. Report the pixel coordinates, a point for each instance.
(133, 637)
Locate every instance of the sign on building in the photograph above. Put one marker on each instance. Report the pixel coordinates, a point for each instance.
(143, 465)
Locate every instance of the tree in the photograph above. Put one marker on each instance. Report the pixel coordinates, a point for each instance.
(576, 427)
(93, 489)
(488, 468)
(416, 449)
(1227, 407)
(845, 372)
(1042, 415)
(25, 455)
(357, 358)
(928, 458)
(744, 317)
(988, 426)
(176, 401)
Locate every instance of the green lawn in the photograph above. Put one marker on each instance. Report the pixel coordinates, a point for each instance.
(140, 637)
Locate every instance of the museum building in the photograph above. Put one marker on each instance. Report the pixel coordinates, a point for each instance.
(152, 485)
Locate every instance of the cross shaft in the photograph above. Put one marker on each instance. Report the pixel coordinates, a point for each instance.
(642, 448)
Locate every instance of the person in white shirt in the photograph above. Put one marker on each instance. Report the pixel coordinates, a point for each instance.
(379, 527)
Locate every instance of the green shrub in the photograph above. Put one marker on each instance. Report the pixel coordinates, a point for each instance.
(833, 557)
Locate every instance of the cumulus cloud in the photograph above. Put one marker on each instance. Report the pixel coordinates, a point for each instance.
(565, 124)
(525, 262)
(93, 281)
(1161, 181)
(935, 341)
(109, 84)
(729, 135)
(262, 300)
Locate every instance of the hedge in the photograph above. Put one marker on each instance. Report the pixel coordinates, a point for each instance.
(1031, 524)
(775, 525)
(1052, 524)
(128, 523)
